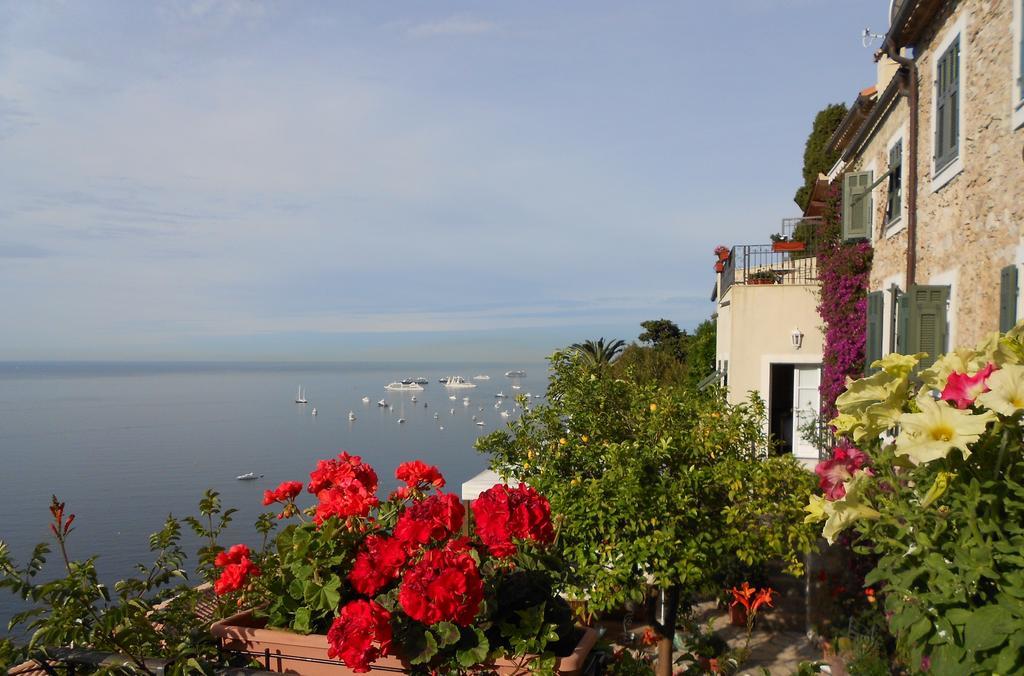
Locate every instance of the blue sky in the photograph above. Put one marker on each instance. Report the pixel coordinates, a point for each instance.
(241, 179)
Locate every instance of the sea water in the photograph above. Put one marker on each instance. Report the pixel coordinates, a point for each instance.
(126, 444)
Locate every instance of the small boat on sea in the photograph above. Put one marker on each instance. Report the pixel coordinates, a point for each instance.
(481, 376)
(517, 387)
(515, 374)
(404, 386)
(452, 397)
(382, 403)
(366, 400)
(479, 423)
(248, 476)
(401, 420)
(436, 416)
(413, 398)
(300, 398)
(458, 382)
(313, 412)
(351, 415)
(442, 380)
(500, 395)
(504, 414)
(420, 381)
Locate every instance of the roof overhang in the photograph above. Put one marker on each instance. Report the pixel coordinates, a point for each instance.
(849, 125)
(818, 198)
(870, 123)
(909, 20)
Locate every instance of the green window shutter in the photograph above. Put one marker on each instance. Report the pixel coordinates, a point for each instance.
(927, 322)
(857, 207)
(947, 104)
(1007, 298)
(903, 324)
(894, 204)
(873, 341)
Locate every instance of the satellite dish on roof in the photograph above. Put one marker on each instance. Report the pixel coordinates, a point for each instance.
(867, 38)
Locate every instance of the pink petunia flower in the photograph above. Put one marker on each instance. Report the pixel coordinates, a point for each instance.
(963, 389)
(833, 473)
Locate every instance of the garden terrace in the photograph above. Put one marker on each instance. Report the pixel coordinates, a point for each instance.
(791, 260)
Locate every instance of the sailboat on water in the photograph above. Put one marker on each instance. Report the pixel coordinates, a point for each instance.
(300, 398)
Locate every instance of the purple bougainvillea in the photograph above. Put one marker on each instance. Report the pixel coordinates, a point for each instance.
(843, 270)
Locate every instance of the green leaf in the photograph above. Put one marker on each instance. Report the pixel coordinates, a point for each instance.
(424, 649)
(301, 621)
(987, 628)
(446, 633)
(474, 654)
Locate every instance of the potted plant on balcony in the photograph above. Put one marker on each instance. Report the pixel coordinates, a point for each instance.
(722, 252)
(360, 585)
(783, 243)
(762, 277)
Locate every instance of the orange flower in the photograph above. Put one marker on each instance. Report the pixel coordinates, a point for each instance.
(763, 598)
(649, 637)
(742, 595)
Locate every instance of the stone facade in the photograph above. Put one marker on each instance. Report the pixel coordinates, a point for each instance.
(970, 217)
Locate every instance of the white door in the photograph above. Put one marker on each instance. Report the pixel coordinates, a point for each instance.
(806, 405)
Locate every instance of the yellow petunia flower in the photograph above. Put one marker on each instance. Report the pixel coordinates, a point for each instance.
(839, 515)
(898, 365)
(1006, 395)
(938, 429)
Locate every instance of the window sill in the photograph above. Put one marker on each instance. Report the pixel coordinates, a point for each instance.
(894, 227)
(947, 173)
(1017, 119)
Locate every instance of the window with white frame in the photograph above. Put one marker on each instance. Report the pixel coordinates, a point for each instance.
(947, 106)
(950, 69)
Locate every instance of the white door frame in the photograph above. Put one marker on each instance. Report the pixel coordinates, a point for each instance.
(792, 358)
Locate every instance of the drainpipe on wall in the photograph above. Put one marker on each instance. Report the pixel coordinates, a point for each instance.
(910, 90)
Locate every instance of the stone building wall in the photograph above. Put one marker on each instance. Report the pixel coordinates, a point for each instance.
(972, 226)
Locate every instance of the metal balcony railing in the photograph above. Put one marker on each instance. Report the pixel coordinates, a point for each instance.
(790, 260)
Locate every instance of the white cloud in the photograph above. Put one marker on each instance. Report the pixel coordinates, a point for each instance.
(453, 25)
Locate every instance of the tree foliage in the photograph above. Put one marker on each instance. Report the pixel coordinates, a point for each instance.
(817, 158)
(674, 356)
(597, 353)
(653, 484)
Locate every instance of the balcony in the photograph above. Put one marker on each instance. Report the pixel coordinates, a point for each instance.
(790, 261)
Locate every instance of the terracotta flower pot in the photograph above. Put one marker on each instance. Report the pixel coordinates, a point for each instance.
(789, 246)
(737, 615)
(719, 266)
(724, 255)
(287, 652)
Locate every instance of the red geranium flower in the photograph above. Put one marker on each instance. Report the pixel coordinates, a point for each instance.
(237, 568)
(504, 513)
(345, 487)
(445, 585)
(436, 518)
(352, 636)
(845, 461)
(377, 565)
(342, 471)
(963, 389)
(283, 493)
(417, 474)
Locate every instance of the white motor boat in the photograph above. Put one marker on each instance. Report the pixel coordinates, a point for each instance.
(481, 376)
(420, 381)
(366, 400)
(458, 382)
(413, 398)
(313, 411)
(504, 414)
(248, 476)
(300, 398)
(404, 386)
(351, 415)
(401, 420)
(452, 397)
(436, 416)
(517, 387)
(382, 403)
(500, 395)
(515, 374)
(479, 423)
